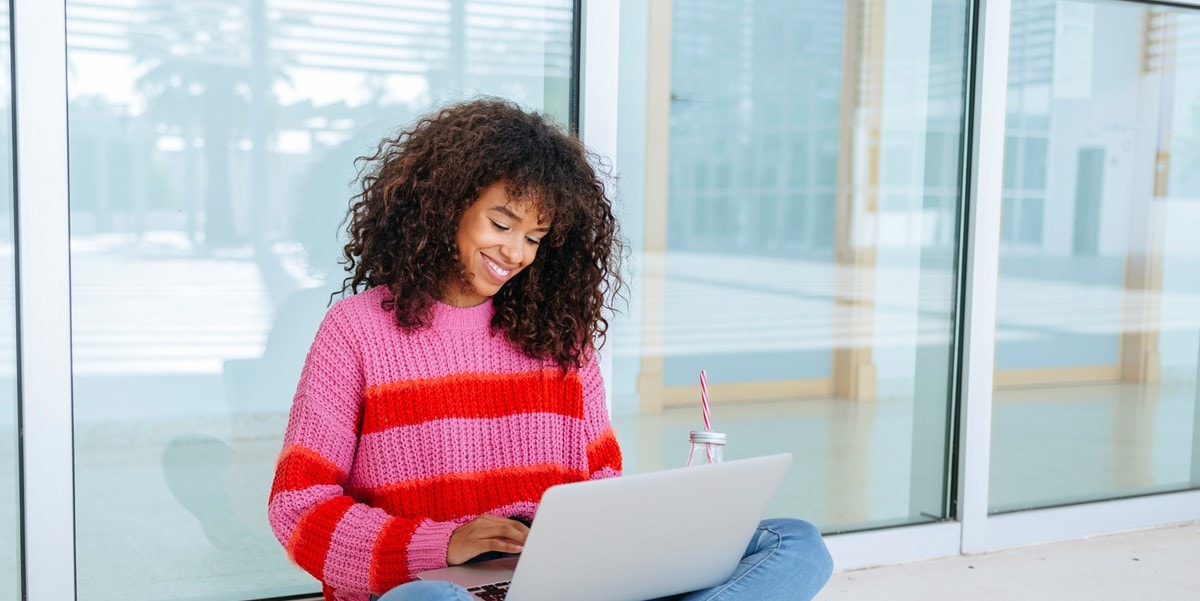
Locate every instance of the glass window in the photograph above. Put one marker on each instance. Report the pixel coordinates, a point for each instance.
(812, 276)
(1098, 304)
(211, 152)
(10, 548)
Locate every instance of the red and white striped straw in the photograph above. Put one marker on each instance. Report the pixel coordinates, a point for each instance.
(704, 400)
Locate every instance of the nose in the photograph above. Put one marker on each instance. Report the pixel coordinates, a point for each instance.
(513, 251)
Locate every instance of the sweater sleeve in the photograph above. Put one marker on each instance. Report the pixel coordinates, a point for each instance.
(347, 545)
(603, 452)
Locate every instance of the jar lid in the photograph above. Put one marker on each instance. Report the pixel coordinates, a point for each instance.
(706, 437)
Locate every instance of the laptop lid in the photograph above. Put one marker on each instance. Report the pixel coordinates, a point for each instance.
(642, 536)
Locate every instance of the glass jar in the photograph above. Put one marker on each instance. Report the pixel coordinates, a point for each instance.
(708, 448)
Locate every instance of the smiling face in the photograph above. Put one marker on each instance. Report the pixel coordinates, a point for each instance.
(497, 238)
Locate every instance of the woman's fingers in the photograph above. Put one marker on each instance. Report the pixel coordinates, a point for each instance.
(490, 526)
(485, 533)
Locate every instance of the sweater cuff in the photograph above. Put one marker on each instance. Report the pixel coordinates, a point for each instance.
(428, 546)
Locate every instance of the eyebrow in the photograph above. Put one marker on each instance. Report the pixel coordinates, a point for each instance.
(511, 215)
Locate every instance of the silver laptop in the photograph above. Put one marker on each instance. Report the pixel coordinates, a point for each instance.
(633, 538)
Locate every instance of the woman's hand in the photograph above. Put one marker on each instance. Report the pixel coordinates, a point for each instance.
(485, 533)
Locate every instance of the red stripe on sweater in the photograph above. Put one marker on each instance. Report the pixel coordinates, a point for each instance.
(310, 540)
(471, 396)
(604, 452)
(451, 496)
(300, 467)
(389, 562)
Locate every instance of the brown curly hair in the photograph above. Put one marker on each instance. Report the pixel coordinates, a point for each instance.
(417, 185)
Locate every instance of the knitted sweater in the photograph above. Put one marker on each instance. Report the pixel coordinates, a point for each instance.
(396, 438)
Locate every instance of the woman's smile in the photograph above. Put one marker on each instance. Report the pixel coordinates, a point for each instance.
(499, 273)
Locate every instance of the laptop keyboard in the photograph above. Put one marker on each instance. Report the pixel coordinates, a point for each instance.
(490, 592)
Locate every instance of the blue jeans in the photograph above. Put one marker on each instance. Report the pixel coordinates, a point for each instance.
(786, 559)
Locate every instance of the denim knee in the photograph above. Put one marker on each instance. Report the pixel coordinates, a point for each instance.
(426, 590)
(805, 542)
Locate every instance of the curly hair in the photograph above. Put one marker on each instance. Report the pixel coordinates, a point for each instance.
(401, 227)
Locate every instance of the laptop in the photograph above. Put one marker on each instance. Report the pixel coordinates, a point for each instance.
(632, 538)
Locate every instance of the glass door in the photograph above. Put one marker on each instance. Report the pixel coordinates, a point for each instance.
(212, 147)
(1098, 305)
(798, 222)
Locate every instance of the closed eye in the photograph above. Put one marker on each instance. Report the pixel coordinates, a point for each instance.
(500, 226)
(534, 241)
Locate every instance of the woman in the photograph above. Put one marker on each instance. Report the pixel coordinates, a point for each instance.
(437, 404)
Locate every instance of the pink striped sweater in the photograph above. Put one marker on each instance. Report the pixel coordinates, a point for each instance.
(395, 439)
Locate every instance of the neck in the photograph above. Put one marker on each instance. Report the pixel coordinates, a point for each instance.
(463, 300)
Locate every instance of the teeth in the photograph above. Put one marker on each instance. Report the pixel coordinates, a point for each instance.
(496, 268)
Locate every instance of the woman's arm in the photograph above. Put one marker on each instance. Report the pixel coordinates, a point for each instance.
(345, 544)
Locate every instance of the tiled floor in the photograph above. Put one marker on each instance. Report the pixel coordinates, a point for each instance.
(1147, 565)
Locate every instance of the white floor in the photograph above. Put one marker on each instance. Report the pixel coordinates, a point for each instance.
(1147, 565)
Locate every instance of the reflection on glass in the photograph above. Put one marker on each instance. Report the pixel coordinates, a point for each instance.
(1098, 304)
(211, 152)
(10, 550)
(808, 263)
